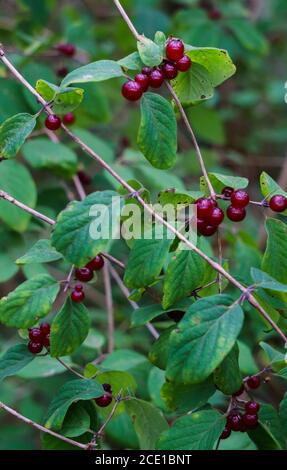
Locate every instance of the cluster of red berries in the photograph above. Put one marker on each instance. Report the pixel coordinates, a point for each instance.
(86, 274)
(209, 216)
(107, 398)
(53, 122)
(176, 61)
(242, 422)
(39, 337)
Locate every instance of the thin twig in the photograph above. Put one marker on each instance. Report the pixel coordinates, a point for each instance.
(42, 428)
(127, 20)
(68, 280)
(20, 204)
(70, 368)
(79, 187)
(114, 260)
(116, 404)
(110, 307)
(219, 244)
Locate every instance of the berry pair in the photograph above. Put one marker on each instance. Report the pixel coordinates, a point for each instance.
(239, 200)
(39, 337)
(86, 274)
(176, 61)
(66, 49)
(53, 122)
(209, 216)
(106, 399)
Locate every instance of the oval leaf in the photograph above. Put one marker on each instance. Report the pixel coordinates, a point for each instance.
(14, 359)
(13, 133)
(94, 72)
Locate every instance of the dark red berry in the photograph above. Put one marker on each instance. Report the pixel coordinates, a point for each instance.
(201, 224)
(254, 382)
(53, 122)
(216, 217)
(107, 388)
(69, 119)
(84, 178)
(240, 198)
(78, 288)
(84, 274)
(252, 408)
(183, 64)
(278, 203)
(142, 80)
(46, 341)
(214, 14)
(204, 208)
(77, 296)
(147, 70)
(35, 347)
(156, 78)
(239, 392)
(169, 70)
(45, 328)
(250, 420)
(227, 192)
(174, 49)
(236, 214)
(234, 422)
(208, 230)
(62, 72)
(132, 90)
(96, 264)
(104, 400)
(225, 433)
(35, 335)
(66, 49)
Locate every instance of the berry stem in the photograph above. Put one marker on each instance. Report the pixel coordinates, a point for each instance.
(70, 368)
(193, 138)
(42, 428)
(126, 18)
(104, 425)
(110, 307)
(31, 211)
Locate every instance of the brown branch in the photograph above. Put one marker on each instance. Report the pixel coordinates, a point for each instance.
(33, 212)
(110, 307)
(70, 369)
(127, 20)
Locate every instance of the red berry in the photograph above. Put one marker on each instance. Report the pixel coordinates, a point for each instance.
(169, 70)
(252, 408)
(45, 328)
(104, 400)
(225, 433)
(84, 178)
(66, 49)
(201, 224)
(35, 335)
(227, 192)
(78, 288)
(214, 14)
(35, 347)
(62, 71)
(84, 274)
(250, 420)
(174, 49)
(53, 122)
(239, 392)
(204, 208)
(107, 388)
(234, 422)
(46, 341)
(278, 203)
(146, 70)
(69, 119)
(208, 230)
(132, 90)
(184, 64)
(142, 80)
(77, 296)
(240, 198)
(236, 214)
(216, 217)
(96, 264)
(254, 382)
(156, 78)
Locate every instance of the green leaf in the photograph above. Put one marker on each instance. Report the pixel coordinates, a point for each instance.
(274, 422)
(94, 72)
(77, 421)
(276, 358)
(248, 35)
(149, 52)
(43, 154)
(283, 417)
(131, 62)
(217, 62)
(184, 398)
(158, 354)
(263, 438)
(40, 252)
(264, 281)
(269, 187)
(69, 329)
(43, 366)
(31, 300)
(185, 272)
(69, 393)
(16, 180)
(227, 376)
(148, 422)
(142, 315)
(194, 85)
(13, 133)
(73, 234)
(220, 181)
(198, 431)
(160, 40)
(204, 337)
(14, 359)
(64, 100)
(157, 136)
(274, 261)
(147, 258)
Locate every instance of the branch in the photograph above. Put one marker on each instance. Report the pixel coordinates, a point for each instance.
(70, 369)
(110, 307)
(42, 428)
(127, 20)
(117, 402)
(19, 204)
